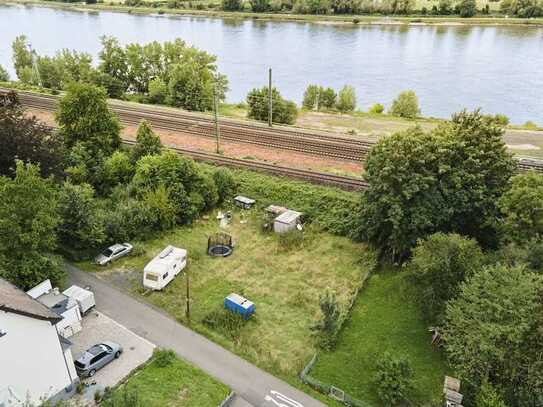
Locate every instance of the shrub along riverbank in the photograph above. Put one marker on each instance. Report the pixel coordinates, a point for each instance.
(339, 19)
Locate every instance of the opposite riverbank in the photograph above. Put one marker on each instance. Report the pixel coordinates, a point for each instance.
(346, 19)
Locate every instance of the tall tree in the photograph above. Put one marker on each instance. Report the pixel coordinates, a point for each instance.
(491, 329)
(28, 224)
(85, 119)
(25, 138)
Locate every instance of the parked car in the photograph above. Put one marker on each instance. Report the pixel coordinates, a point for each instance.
(113, 253)
(97, 357)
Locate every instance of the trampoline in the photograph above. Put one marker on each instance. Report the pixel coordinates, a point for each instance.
(220, 245)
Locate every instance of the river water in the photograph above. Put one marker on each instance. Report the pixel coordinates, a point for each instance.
(499, 69)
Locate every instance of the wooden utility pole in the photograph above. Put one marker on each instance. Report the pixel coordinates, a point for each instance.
(270, 106)
(216, 111)
(187, 311)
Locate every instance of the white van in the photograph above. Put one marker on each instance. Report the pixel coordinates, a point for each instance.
(164, 267)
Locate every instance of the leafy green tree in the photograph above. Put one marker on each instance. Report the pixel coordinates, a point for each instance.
(448, 180)
(82, 227)
(147, 142)
(164, 210)
(346, 99)
(118, 169)
(22, 56)
(490, 331)
(284, 111)
(394, 379)
(467, 8)
(327, 98)
(439, 264)
(84, 118)
(226, 184)
(231, 5)
(113, 61)
(310, 96)
(522, 207)
(259, 6)
(4, 75)
(406, 105)
(403, 201)
(445, 7)
(488, 396)
(28, 224)
(158, 91)
(24, 137)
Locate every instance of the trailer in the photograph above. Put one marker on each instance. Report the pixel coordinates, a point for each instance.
(83, 297)
(240, 305)
(158, 273)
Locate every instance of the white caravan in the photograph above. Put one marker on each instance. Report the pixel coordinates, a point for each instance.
(164, 267)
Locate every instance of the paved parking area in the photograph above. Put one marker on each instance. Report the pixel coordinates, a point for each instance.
(97, 328)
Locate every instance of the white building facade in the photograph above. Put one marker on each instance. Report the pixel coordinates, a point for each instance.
(36, 364)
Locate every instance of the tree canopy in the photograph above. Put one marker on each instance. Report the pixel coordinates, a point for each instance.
(284, 111)
(449, 179)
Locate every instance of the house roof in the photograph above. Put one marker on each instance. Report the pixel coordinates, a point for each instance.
(17, 301)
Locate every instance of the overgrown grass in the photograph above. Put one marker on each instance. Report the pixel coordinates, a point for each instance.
(285, 285)
(386, 317)
(176, 384)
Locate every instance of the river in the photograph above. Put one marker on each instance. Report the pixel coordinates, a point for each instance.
(499, 69)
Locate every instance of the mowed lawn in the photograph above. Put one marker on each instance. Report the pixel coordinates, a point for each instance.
(178, 384)
(285, 285)
(385, 317)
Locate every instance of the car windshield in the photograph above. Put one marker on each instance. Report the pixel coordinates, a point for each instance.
(107, 252)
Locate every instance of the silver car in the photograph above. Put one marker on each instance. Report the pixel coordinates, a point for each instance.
(97, 357)
(113, 253)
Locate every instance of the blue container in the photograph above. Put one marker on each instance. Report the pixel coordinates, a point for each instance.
(236, 303)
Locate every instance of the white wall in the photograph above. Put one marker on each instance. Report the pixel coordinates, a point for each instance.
(31, 357)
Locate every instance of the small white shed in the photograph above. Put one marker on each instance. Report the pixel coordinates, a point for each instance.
(164, 267)
(287, 221)
(83, 297)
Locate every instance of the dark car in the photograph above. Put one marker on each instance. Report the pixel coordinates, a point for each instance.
(97, 357)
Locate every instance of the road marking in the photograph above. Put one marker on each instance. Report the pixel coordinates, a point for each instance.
(277, 398)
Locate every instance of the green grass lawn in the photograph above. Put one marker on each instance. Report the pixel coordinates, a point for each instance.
(386, 317)
(178, 384)
(284, 284)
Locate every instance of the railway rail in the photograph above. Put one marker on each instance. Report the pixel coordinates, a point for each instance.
(198, 124)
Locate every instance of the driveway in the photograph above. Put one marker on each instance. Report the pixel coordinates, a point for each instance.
(97, 328)
(253, 385)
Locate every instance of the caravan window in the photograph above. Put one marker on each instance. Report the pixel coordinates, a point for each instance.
(151, 277)
(165, 275)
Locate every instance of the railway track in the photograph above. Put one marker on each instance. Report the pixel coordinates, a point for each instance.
(199, 125)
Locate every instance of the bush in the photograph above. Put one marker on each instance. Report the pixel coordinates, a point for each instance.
(310, 96)
(4, 76)
(158, 90)
(147, 142)
(346, 99)
(284, 111)
(467, 8)
(117, 169)
(231, 5)
(164, 357)
(377, 108)
(406, 105)
(259, 6)
(292, 239)
(159, 203)
(394, 379)
(225, 322)
(328, 326)
(226, 184)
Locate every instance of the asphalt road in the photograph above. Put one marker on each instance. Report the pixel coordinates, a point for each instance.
(252, 385)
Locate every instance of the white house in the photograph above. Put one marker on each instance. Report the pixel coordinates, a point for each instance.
(35, 361)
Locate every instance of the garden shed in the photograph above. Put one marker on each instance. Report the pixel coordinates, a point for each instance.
(287, 221)
(244, 202)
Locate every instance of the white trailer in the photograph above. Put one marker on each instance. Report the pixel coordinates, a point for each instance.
(84, 298)
(164, 267)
